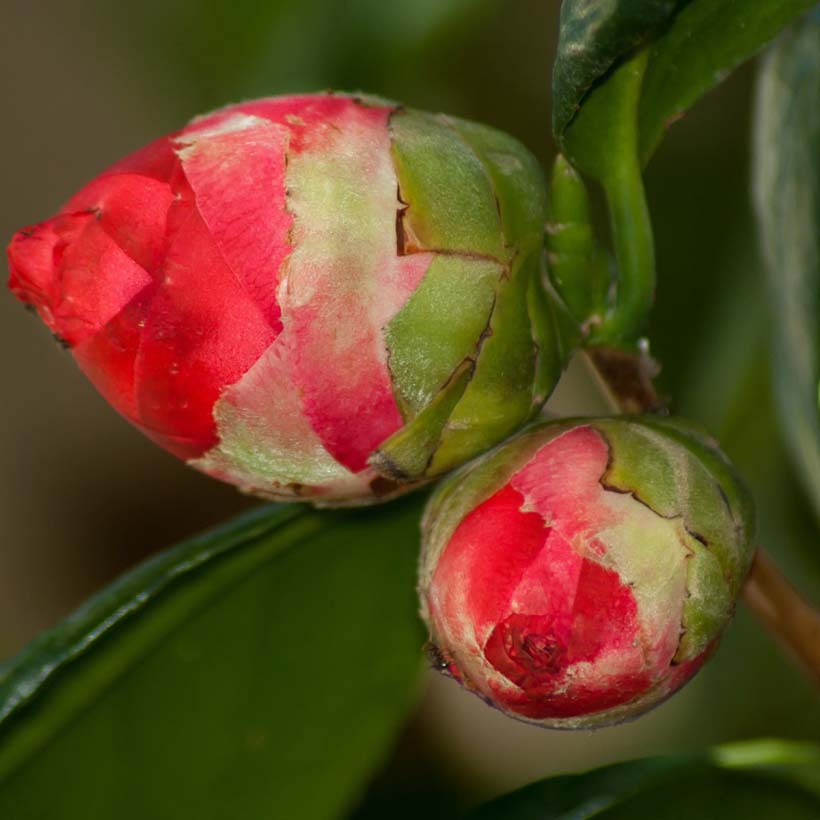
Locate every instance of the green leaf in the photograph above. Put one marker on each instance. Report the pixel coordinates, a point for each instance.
(593, 36)
(624, 70)
(693, 45)
(261, 670)
(707, 40)
(762, 779)
(603, 142)
(786, 168)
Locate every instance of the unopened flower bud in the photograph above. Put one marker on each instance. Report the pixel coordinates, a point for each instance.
(319, 296)
(582, 572)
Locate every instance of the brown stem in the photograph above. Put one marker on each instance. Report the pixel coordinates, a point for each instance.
(626, 379)
(626, 382)
(783, 611)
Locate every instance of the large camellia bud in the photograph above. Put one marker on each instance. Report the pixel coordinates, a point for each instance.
(582, 572)
(321, 296)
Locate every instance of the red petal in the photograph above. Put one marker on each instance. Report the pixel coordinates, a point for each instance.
(33, 276)
(133, 210)
(75, 273)
(482, 565)
(236, 172)
(202, 333)
(108, 357)
(562, 482)
(538, 653)
(562, 628)
(97, 280)
(156, 160)
(346, 393)
(309, 117)
(604, 616)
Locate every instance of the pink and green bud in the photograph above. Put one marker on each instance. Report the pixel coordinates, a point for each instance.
(581, 573)
(316, 296)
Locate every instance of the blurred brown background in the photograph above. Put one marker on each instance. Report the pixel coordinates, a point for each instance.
(83, 496)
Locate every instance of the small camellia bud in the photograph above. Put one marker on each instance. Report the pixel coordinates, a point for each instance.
(318, 296)
(582, 572)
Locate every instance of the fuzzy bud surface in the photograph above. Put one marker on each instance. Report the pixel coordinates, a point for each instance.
(581, 573)
(318, 296)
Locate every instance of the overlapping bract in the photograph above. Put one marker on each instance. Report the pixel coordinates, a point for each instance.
(315, 296)
(583, 572)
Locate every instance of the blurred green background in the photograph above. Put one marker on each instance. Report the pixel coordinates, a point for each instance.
(83, 496)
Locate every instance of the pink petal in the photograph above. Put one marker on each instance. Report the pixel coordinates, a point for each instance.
(345, 281)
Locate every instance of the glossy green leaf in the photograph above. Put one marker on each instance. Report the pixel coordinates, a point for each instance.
(624, 70)
(593, 36)
(708, 40)
(787, 198)
(603, 142)
(751, 781)
(261, 670)
(692, 45)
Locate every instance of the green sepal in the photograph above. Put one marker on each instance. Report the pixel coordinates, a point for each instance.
(555, 332)
(438, 327)
(517, 180)
(476, 199)
(678, 475)
(734, 516)
(708, 603)
(498, 399)
(578, 265)
(450, 201)
(408, 452)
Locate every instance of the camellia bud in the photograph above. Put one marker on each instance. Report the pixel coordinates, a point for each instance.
(323, 296)
(582, 572)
